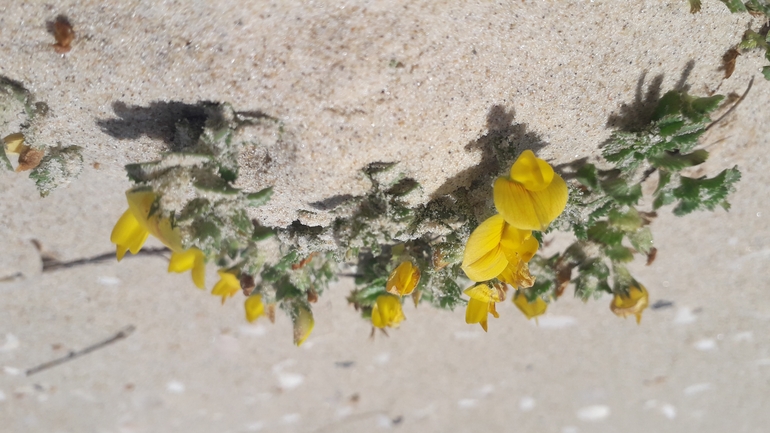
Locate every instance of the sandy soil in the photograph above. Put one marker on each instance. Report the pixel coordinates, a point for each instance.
(353, 83)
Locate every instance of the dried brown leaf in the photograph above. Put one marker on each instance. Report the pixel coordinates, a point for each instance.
(30, 158)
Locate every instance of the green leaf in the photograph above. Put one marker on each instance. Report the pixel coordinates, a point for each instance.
(663, 198)
(619, 254)
(676, 162)
(218, 187)
(766, 71)
(587, 176)
(4, 162)
(259, 198)
(641, 240)
(706, 105)
(694, 6)
(626, 221)
(685, 142)
(602, 232)
(619, 190)
(705, 193)
(261, 233)
(670, 104)
(734, 5)
(228, 174)
(591, 281)
(751, 40)
(208, 230)
(670, 126)
(288, 290)
(754, 6)
(664, 177)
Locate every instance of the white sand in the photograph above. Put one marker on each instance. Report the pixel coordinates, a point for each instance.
(387, 81)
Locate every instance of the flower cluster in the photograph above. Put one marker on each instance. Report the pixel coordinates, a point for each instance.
(142, 219)
(530, 198)
(387, 311)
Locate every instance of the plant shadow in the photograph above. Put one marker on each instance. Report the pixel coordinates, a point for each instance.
(634, 116)
(157, 121)
(499, 147)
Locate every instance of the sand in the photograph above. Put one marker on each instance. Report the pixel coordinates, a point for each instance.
(421, 84)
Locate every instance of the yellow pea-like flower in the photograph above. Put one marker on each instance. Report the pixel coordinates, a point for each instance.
(254, 307)
(303, 324)
(532, 196)
(403, 279)
(632, 304)
(495, 249)
(530, 309)
(136, 224)
(128, 235)
(227, 286)
(387, 311)
(481, 304)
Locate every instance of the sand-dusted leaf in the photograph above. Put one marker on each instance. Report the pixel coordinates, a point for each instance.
(641, 240)
(259, 198)
(591, 281)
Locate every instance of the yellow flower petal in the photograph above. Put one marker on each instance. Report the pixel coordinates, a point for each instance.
(517, 274)
(482, 303)
(483, 258)
(303, 325)
(477, 312)
(14, 143)
(482, 292)
(485, 238)
(632, 304)
(254, 307)
(530, 309)
(128, 235)
(403, 279)
(227, 286)
(532, 172)
(140, 203)
(387, 311)
(530, 210)
(518, 244)
(190, 259)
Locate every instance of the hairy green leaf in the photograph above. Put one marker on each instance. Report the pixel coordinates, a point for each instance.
(734, 5)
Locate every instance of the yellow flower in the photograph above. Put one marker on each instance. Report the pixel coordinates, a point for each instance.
(482, 303)
(632, 304)
(530, 309)
(387, 312)
(133, 227)
(532, 196)
(128, 235)
(498, 250)
(254, 307)
(303, 324)
(403, 279)
(228, 285)
(14, 144)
